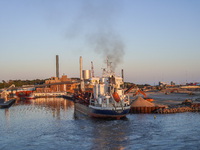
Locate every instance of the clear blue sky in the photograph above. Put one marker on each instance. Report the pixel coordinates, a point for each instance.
(157, 40)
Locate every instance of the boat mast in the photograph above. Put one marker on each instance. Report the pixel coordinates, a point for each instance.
(109, 71)
(92, 69)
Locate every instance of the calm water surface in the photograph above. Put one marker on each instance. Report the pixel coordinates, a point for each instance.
(51, 124)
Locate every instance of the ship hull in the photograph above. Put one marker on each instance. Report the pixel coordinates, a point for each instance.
(99, 112)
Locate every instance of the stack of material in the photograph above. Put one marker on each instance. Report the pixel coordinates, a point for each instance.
(141, 105)
(140, 102)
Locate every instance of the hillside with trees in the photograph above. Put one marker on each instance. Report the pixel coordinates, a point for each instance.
(19, 83)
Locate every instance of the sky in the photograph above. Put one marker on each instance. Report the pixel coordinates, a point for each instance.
(151, 40)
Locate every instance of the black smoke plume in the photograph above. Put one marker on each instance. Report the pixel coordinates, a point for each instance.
(95, 21)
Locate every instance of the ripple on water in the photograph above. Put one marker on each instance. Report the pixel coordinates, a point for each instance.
(51, 124)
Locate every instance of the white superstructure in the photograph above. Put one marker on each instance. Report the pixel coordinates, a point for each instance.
(107, 100)
(107, 91)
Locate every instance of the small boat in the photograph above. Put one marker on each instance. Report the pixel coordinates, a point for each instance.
(6, 104)
(30, 96)
(24, 94)
(107, 100)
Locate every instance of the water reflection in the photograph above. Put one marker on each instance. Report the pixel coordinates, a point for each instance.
(104, 133)
(110, 134)
(7, 115)
(53, 105)
(49, 124)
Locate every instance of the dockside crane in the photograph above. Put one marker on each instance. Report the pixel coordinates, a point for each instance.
(5, 93)
(145, 96)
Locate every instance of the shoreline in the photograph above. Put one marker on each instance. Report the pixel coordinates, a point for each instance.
(173, 102)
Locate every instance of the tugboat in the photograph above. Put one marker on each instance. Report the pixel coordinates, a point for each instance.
(106, 100)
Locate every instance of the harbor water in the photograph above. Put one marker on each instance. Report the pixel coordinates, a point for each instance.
(50, 123)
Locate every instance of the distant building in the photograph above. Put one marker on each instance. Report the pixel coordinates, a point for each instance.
(54, 84)
(195, 83)
(172, 83)
(162, 83)
(56, 80)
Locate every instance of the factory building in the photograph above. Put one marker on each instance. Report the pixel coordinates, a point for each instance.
(55, 84)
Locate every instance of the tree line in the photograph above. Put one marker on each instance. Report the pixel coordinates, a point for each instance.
(129, 84)
(19, 83)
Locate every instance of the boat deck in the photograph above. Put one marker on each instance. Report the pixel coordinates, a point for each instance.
(6, 104)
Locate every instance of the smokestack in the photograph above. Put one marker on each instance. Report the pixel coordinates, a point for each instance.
(123, 75)
(81, 75)
(57, 66)
(123, 78)
(81, 68)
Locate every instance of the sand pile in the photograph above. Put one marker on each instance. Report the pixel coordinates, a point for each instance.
(140, 102)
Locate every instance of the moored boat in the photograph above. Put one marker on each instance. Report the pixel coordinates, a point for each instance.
(107, 99)
(30, 96)
(6, 104)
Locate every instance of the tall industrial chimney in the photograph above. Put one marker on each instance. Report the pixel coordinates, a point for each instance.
(123, 75)
(81, 68)
(57, 66)
(81, 74)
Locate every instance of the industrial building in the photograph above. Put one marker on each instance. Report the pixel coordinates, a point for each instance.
(56, 84)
